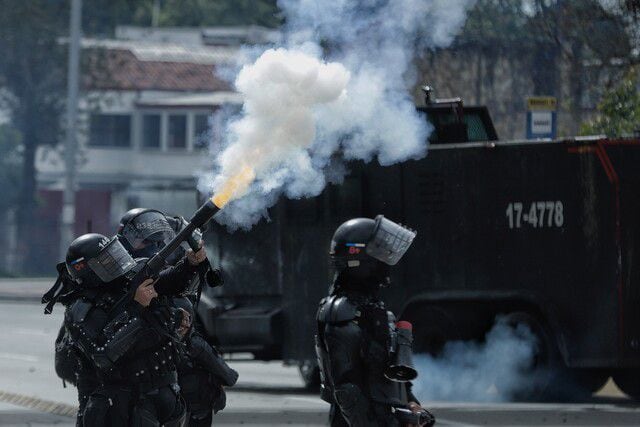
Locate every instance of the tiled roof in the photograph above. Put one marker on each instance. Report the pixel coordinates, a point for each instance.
(120, 69)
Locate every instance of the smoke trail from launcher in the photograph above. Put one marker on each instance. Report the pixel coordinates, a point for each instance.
(305, 106)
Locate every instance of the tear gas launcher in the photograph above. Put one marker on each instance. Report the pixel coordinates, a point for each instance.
(158, 261)
(155, 264)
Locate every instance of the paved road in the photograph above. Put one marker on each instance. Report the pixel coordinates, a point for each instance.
(267, 395)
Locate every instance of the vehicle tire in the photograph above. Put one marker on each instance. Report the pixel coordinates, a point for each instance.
(549, 377)
(310, 374)
(538, 377)
(628, 380)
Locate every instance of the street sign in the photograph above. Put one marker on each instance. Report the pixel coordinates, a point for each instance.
(541, 117)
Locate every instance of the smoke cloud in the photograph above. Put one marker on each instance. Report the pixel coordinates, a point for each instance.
(468, 371)
(338, 87)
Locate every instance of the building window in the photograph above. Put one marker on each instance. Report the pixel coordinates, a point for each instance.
(177, 137)
(110, 130)
(151, 130)
(201, 131)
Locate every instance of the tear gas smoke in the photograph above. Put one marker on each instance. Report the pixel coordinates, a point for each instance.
(478, 372)
(303, 108)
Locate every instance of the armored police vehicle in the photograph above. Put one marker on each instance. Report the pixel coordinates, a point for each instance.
(542, 232)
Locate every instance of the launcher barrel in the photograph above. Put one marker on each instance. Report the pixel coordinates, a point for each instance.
(202, 215)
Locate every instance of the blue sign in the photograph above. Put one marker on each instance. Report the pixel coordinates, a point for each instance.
(541, 117)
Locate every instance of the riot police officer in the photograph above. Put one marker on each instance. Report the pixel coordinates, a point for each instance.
(132, 343)
(143, 232)
(152, 233)
(70, 365)
(202, 372)
(356, 334)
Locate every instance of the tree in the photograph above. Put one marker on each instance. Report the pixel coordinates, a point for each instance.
(570, 49)
(618, 110)
(102, 16)
(197, 13)
(10, 161)
(32, 75)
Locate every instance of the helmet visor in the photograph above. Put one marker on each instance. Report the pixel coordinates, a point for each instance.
(112, 262)
(389, 241)
(146, 228)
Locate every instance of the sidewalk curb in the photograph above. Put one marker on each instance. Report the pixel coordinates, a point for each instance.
(20, 298)
(25, 289)
(32, 402)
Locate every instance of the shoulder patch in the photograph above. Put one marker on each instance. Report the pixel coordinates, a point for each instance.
(79, 310)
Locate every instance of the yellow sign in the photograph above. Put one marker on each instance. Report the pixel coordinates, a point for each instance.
(541, 103)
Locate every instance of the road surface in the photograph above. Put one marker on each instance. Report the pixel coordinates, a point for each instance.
(268, 394)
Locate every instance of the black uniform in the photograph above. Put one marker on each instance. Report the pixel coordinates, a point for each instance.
(356, 337)
(202, 373)
(70, 365)
(74, 368)
(133, 349)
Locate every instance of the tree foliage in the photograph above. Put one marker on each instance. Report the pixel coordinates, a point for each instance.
(33, 81)
(226, 12)
(10, 160)
(102, 16)
(618, 110)
(571, 49)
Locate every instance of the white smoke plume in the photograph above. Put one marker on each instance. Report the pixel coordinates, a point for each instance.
(492, 371)
(338, 86)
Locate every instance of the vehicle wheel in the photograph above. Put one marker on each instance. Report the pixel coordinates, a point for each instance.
(310, 374)
(628, 380)
(537, 379)
(548, 378)
(433, 328)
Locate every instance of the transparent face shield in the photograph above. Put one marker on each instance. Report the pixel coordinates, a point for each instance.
(389, 241)
(148, 228)
(112, 262)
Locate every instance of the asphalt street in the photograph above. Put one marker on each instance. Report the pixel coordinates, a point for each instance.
(268, 394)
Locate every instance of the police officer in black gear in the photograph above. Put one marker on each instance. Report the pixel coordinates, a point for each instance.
(146, 231)
(356, 334)
(202, 373)
(131, 343)
(143, 232)
(70, 365)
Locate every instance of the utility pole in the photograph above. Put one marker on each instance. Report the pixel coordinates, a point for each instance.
(155, 13)
(69, 196)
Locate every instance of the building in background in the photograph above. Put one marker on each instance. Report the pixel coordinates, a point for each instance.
(147, 120)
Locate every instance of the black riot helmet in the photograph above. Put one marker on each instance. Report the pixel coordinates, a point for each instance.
(144, 232)
(93, 260)
(362, 249)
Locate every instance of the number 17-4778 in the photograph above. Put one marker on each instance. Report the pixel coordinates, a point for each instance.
(539, 214)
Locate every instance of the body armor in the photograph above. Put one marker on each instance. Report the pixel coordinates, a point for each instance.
(135, 351)
(202, 373)
(354, 344)
(357, 337)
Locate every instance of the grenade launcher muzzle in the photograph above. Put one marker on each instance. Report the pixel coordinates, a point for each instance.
(202, 215)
